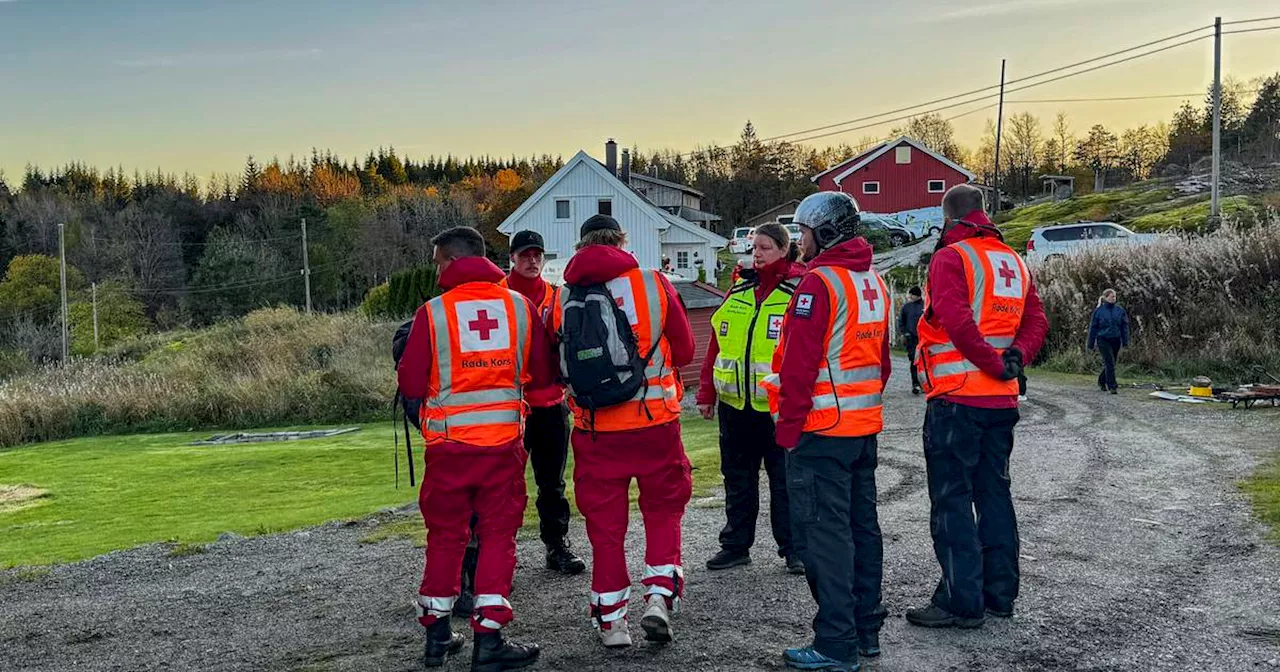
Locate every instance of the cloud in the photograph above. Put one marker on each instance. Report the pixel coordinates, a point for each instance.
(1014, 7)
(215, 59)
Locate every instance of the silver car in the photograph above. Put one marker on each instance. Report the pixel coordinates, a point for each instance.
(1056, 242)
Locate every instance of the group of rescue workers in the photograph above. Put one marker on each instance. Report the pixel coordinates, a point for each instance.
(795, 372)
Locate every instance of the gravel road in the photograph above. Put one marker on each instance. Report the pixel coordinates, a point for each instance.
(1138, 554)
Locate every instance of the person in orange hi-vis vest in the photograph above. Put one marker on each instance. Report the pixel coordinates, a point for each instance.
(637, 439)
(471, 354)
(830, 369)
(547, 429)
(982, 321)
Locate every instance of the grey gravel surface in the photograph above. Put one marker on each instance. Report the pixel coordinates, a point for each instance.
(1138, 554)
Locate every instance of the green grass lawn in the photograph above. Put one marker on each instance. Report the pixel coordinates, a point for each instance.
(1263, 489)
(89, 496)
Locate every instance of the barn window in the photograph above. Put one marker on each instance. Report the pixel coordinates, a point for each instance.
(903, 154)
(937, 186)
(562, 209)
(605, 207)
(870, 187)
(682, 259)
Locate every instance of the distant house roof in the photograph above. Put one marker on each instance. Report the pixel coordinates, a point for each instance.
(691, 214)
(860, 161)
(674, 185)
(697, 295)
(770, 211)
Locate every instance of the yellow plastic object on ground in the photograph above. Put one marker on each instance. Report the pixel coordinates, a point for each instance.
(1201, 392)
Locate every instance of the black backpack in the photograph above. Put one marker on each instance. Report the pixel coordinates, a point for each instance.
(410, 406)
(599, 353)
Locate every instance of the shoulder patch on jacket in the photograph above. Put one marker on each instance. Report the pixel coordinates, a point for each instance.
(803, 306)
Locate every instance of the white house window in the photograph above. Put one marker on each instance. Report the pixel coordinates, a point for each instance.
(682, 259)
(605, 207)
(870, 187)
(562, 209)
(902, 154)
(937, 186)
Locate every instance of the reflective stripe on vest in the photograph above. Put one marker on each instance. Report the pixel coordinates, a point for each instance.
(847, 400)
(998, 285)
(644, 300)
(475, 395)
(747, 334)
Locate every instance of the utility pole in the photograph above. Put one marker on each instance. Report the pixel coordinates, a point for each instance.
(306, 265)
(1216, 208)
(94, 286)
(62, 274)
(999, 137)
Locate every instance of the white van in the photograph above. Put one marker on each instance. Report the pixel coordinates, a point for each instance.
(740, 241)
(1055, 242)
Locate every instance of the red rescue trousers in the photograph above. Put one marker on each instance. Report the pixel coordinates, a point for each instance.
(488, 482)
(603, 466)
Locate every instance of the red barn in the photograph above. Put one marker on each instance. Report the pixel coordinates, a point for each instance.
(896, 176)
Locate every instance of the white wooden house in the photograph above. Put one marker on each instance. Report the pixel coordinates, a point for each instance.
(585, 187)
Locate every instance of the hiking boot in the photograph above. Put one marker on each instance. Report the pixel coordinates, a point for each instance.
(934, 616)
(615, 635)
(491, 653)
(795, 565)
(726, 559)
(561, 559)
(657, 620)
(1115, 392)
(869, 643)
(465, 604)
(442, 642)
(1000, 613)
(809, 659)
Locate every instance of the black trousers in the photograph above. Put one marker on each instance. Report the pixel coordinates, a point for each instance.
(832, 482)
(746, 441)
(1109, 348)
(546, 437)
(967, 453)
(911, 342)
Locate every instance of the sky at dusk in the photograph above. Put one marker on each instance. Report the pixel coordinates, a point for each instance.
(197, 86)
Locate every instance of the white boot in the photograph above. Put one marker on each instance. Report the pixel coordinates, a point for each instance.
(615, 635)
(657, 620)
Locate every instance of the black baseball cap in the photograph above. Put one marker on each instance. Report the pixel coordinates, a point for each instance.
(599, 223)
(525, 240)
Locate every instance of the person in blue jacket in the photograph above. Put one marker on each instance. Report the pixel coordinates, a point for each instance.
(1109, 332)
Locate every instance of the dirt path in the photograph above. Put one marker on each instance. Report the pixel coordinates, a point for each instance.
(1139, 554)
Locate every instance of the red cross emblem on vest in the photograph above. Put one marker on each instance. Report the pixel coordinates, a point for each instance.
(483, 324)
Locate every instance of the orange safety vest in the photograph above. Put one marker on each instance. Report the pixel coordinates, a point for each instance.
(640, 295)
(482, 336)
(549, 297)
(998, 285)
(847, 396)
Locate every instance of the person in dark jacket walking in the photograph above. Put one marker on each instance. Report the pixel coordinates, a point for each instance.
(744, 337)
(908, 322)
(1108, 332)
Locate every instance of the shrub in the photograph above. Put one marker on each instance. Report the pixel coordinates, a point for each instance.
(274, 367)
(1208, 305)
(377, 303)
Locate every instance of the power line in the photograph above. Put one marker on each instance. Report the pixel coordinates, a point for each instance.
(1250, 30)
(1261, 20)
(988, 88)
(1015, 90)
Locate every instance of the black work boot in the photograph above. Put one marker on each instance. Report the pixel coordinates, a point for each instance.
(934, 616)
(727, 558)
(795, 565)
(561, 559)
(869, 643)
(442, 642)
(491, 653)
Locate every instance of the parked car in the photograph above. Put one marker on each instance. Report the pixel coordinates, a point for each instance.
(1055, 242)
(898, 234)
(740, 241)
(794, 230)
